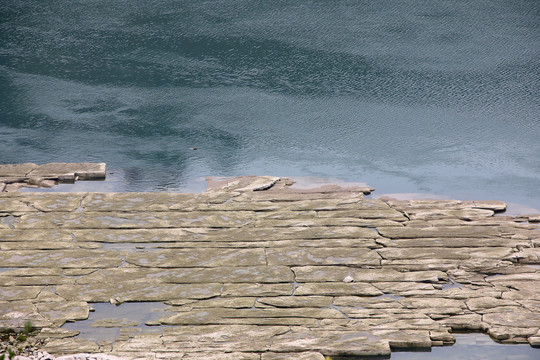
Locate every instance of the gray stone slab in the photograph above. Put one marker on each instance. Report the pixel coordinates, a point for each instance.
(18, 293)
(337, 289)
(61, 258)
(443, 231)
(445, 253)
(218, 302)
(49, 245)
(338, 273)
(323, 256)
(462, 214)
(40, 235)
(10, 310)
(241, 183)
(386, 214)
(176, 258)
(137, 292)
(35, 280)
(66, 310)
(304, 355)
(190, 275)
(55, 202)
(453, 242)
(257, 289)
(276, 244)
(222, 234)
(133, 202)
(326, 221)
(115, 220)
(407, 288)
(12, 204)
(332, 343)
(16, 170)
(296, 301)
(84, 171)
(222, 337)
(411, 339)
(221, 316)
(516, 319)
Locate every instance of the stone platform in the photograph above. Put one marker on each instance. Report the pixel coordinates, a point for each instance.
(255, 269)
(15, 176)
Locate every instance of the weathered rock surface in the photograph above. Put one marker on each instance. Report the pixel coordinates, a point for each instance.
(15, 176)
(256, 269)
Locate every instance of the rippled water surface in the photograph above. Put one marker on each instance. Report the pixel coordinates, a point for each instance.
(438, 97)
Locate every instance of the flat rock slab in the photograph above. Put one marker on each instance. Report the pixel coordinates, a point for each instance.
(257, 269)
(15, 176)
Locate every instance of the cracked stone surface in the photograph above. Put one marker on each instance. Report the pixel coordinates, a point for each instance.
(256, 269)
(15, 176)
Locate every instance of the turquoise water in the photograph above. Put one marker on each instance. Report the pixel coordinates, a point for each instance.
(411, 96)
(436, 97)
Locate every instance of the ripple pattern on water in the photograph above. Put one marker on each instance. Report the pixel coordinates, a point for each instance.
(437, 97)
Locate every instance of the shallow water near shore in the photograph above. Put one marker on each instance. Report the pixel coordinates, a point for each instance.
(475, 346)
(411, 97)
(106, 322)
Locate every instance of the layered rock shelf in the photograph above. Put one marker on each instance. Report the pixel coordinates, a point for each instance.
(256, 269)
(15, 176)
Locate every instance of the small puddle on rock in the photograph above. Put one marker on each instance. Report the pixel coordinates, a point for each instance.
(470, 346)
(391, 296)
(9, 220)
(106, 321)
(452, 285)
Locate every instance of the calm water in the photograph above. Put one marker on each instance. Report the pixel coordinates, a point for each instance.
(438, 97)
(471, 346)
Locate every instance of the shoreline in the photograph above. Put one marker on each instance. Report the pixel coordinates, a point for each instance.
(70, 177)
(276, 270)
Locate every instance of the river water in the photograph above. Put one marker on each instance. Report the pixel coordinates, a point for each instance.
(436, 97)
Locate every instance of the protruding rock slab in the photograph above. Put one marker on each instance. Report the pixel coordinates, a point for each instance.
(16, 170)
(82, 171)
(331, 343)
(15, 176)
(241, 183)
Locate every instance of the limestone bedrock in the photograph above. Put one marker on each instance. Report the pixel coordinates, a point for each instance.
(15, 176)
(256, 269)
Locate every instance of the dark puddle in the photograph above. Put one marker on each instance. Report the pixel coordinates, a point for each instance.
(452, 285)
(470, 346)
(391, 296)
(9, 220)
(106, 320)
